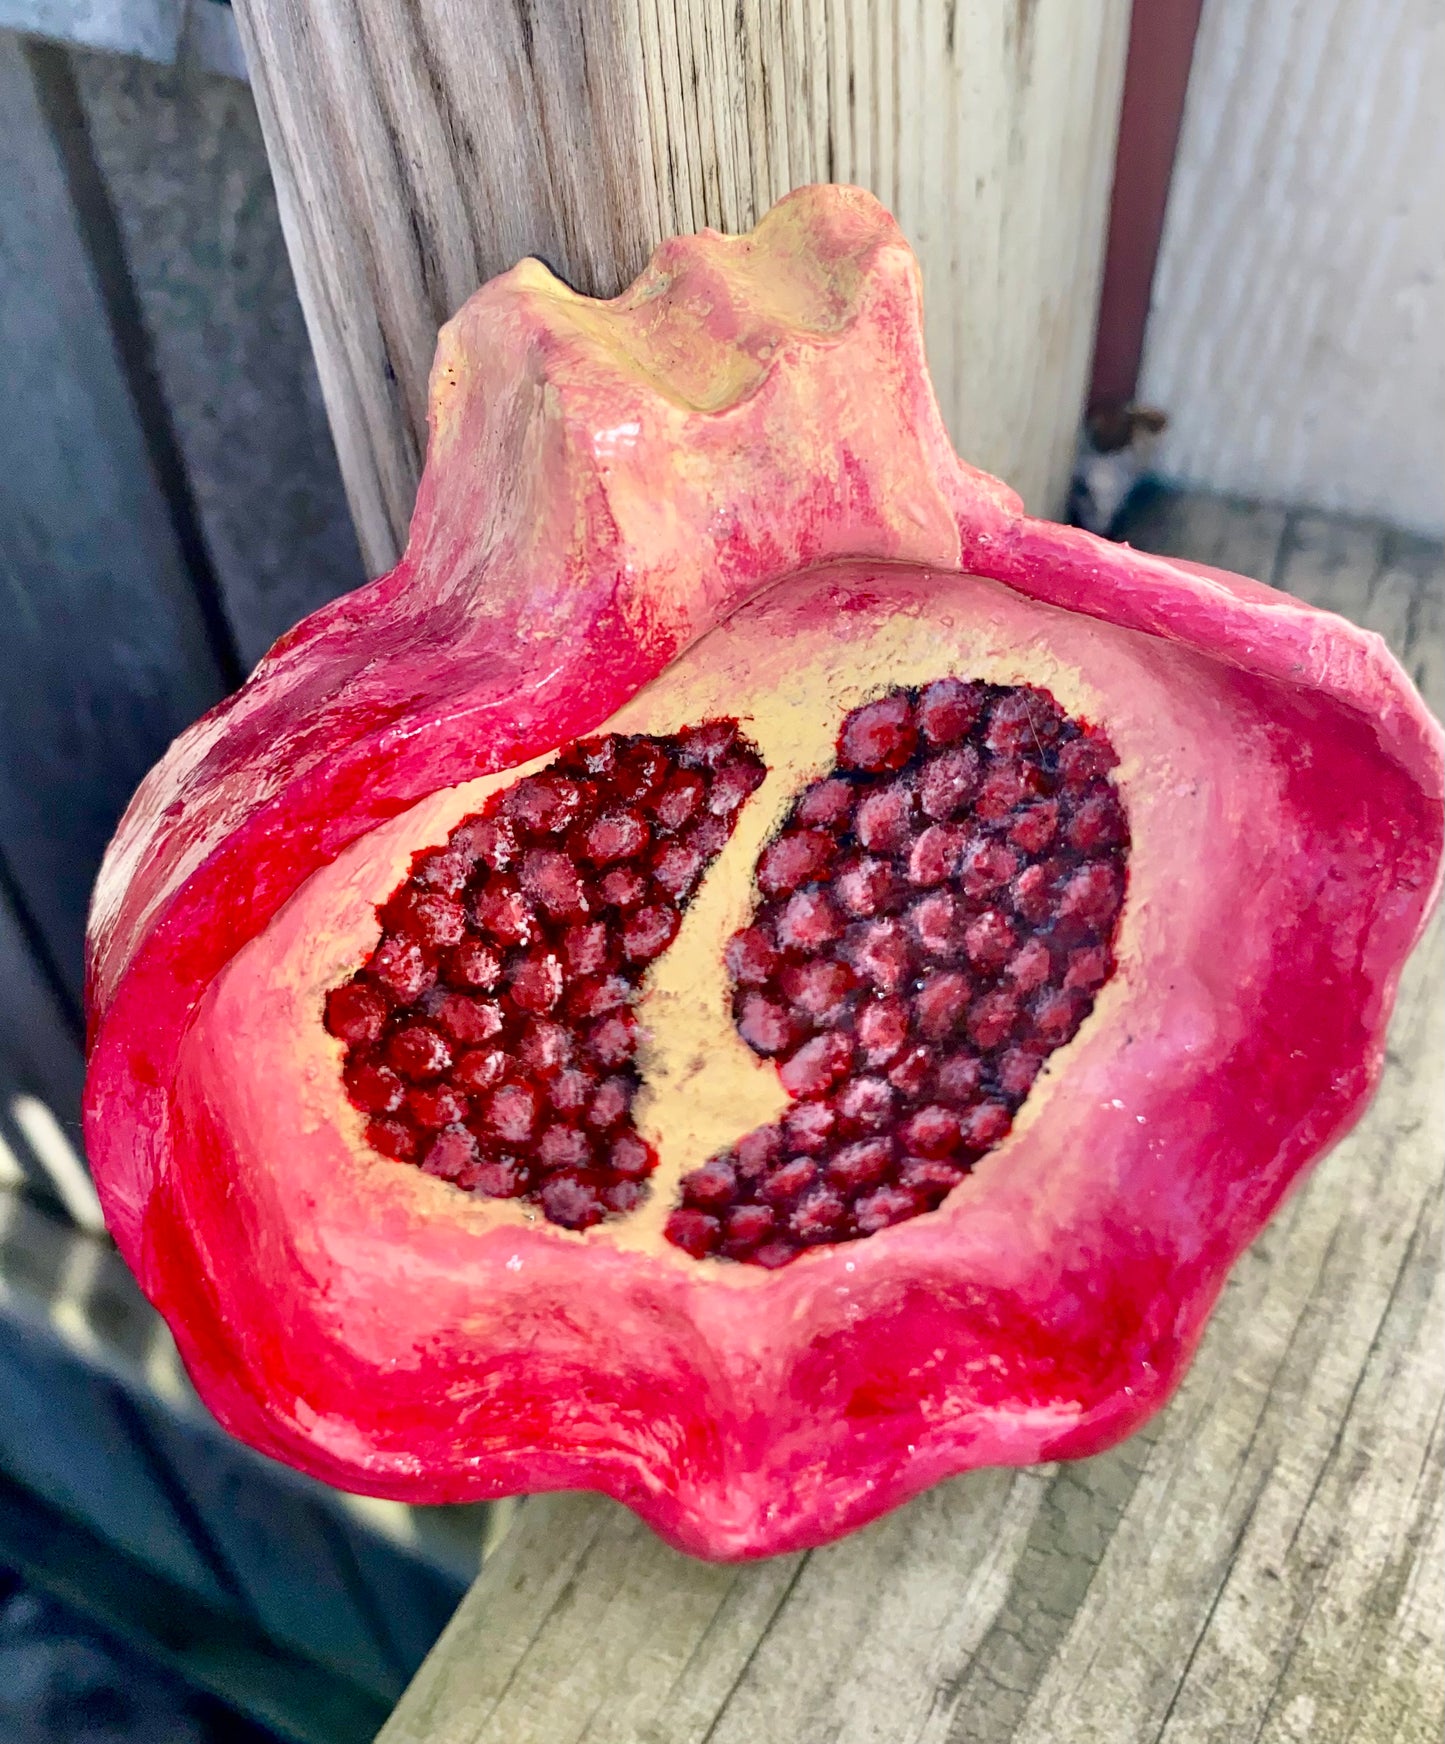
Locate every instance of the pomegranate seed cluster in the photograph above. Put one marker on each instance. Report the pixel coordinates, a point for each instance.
(933, 919)
(490, 1035)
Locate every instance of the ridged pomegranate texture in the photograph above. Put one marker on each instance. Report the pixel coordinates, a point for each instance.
(746, 973)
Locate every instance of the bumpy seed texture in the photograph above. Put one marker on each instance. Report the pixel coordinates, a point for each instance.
(934, 918)
(490, 1035)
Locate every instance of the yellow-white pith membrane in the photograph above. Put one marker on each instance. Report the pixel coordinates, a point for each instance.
(788, 668)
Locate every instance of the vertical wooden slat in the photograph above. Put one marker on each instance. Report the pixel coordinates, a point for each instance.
(107, 651)
(420, 148)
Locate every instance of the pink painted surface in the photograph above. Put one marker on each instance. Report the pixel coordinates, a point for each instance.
(734, 445)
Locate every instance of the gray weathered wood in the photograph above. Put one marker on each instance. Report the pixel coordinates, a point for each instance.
(107, 654)
(420, 146)
(180, 150)
(1264, 1562)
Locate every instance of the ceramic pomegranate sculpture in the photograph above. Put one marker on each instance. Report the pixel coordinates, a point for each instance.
(745, 974)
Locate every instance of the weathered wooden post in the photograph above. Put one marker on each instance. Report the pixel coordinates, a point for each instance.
(421, 146)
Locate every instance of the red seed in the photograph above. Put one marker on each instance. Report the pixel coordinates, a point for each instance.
(464, 1019)
(571, 1090)
(933, 1177)
(825, 805)
(988, 940)
(1006, 786)
(937, 923)
(649, 932)
(642, 767)
(356, 1013)
(616, 835)
(587, 949)
(1091, 895)
(817, 1214)
(786, 1183)
(882, 1030)
(991, 1019)
(373, 1087)
(445, 870)
(940, 1002)
(480, 1069)
(878, 950)
(985, 1124)
(623, 1196)
(1089, 968)
(935, 855)
(985, 867)
(880, 735)
(948, 783)
(1032, 893)
(1030, 966)
(592, 756)
(1035, 826)
(746, 1225)
(767, 1027)
(542, 804)
(473, 963)
(947, 710)
(794, 859)
(750, 958)
(610, 1103)
(1055, 1016)
(501, 1178)
(818, 988)
(402, 968)
(676, 868)
(695, 1232)
(817, 1065)
(491, 840)
(393, 1138)
(438, 1107)
(757, 1152)
(859, 1166)
(418, 1051)
(913, 1073)
(545, 1047)
(611, 1041)
(624, 887)
(867, 887)
(807, 922)
(599, 995)
(550, 880)
(450, 1153)
(931, 1132)
(1017, 1069)
(1084, 758)
(867, 1104)
(773, 1254)
(564, 1147)
(679, 799)
(733, 783)
(706, 746)
(535, 983)
(630, 1158)
(571, 1203)
(1020, 721)
(711, 1187)
(433, 920)
(511, 1113)
(808, 1129)
(503, 912)
(886, 1206)
(959, 1079)
(883, 821)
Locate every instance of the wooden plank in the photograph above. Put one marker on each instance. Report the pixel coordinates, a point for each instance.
(181, 155)
(107, 652)
(420, 146)
(1294, 337)
(1261, 1562)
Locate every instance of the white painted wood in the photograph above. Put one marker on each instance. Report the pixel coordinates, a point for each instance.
(420, 146)
(1297, 334)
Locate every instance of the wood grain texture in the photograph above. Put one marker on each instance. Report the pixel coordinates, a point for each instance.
(421, 146)
(1262, 1563)
(1297, 337)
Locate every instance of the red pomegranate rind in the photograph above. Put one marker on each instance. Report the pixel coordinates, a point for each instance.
(488, 1029)
(974, 850)
(606, 484)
